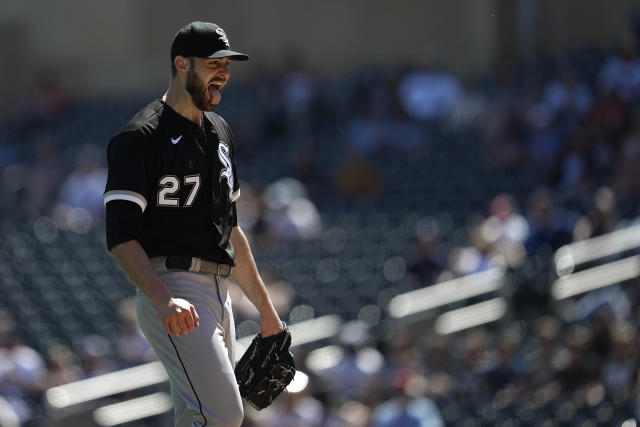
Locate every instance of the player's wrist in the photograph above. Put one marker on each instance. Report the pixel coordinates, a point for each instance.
(269, 315)
(271, 325)
(162, 299)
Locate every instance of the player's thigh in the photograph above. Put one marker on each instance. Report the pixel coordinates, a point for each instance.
(204, 354)
(198, 365)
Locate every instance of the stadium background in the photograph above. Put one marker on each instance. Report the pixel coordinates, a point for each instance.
(382, 149)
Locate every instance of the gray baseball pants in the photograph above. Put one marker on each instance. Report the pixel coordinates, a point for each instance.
(200, 365)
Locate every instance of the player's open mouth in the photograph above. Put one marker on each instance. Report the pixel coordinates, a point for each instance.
(216, 86)
(214, 93)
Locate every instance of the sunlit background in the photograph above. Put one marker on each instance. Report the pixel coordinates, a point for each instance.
(442, 198)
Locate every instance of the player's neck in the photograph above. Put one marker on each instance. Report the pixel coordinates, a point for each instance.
(180, 101)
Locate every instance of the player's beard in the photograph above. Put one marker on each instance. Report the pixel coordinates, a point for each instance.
(198, 91)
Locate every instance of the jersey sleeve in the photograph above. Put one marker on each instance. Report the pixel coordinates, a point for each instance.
(129, 158)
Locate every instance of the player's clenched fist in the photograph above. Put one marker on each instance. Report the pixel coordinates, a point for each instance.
(179, 316)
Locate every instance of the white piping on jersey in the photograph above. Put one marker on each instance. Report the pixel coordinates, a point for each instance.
(130, 196)
(235, 196)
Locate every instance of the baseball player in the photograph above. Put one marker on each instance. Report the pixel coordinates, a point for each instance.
(172, 227)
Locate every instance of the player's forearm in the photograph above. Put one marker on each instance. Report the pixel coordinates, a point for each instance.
(246, 275)
(136, 265)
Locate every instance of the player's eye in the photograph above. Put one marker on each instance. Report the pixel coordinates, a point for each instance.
(217, 63)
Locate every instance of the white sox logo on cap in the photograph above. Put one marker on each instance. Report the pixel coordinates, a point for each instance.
(223, 36)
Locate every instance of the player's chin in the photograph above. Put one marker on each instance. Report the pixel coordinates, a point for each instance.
(208, 105)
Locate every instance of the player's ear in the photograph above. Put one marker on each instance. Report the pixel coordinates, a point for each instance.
(182, 64)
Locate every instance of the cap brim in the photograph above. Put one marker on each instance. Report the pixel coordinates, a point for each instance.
(237, 56)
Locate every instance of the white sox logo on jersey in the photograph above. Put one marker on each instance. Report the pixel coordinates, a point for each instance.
(223, 36)
(227, 169)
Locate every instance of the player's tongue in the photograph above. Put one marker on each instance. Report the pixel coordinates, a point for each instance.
(214, 95)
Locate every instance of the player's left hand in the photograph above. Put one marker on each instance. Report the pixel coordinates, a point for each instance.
(270, 325)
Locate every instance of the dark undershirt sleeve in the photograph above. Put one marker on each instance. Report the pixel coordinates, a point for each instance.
(124, 223)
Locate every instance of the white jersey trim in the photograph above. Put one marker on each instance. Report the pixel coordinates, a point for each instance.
(235, 196)
(130, 196)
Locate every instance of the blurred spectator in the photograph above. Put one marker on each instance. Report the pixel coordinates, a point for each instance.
(549, 227)
(298, 92)
(96, 355)
(603, 215)
(44, 179)
(626, 179)
(619, 369)
(611, 116)
(620, 73)
(297, 408)
(506, 229)
(476, 257)
(357, 178)
(63, 366)
(576, 365)
(545, 140)
(8, 417)
(403, 135)
(132, 348)
(365, 132)
(305, 169)
(566, 96)
(428, 258)
(506, 134)
(428, 94)
(574, 167)
(8, 156)
(50, 99)
(358, 366)
(84, 186)
(45, 105)
(290, 215)
(540, 355)
(467, 111)
(80, 202)
(22, 369)
(408, 408)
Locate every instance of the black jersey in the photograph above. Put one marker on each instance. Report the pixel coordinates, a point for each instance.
(183, 177)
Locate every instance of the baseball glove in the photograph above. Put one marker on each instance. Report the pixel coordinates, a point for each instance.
(265, 369)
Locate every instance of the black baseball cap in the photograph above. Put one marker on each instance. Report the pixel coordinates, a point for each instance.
(203, 40)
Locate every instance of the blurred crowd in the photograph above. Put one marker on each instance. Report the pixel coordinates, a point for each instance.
(25, 374)
(540, 372)
(316, 145)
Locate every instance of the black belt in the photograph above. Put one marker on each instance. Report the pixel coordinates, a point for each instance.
(197, 265)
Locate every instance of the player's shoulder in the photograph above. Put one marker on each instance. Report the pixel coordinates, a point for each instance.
(146, 120)
(142, 126)
(220, 125)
